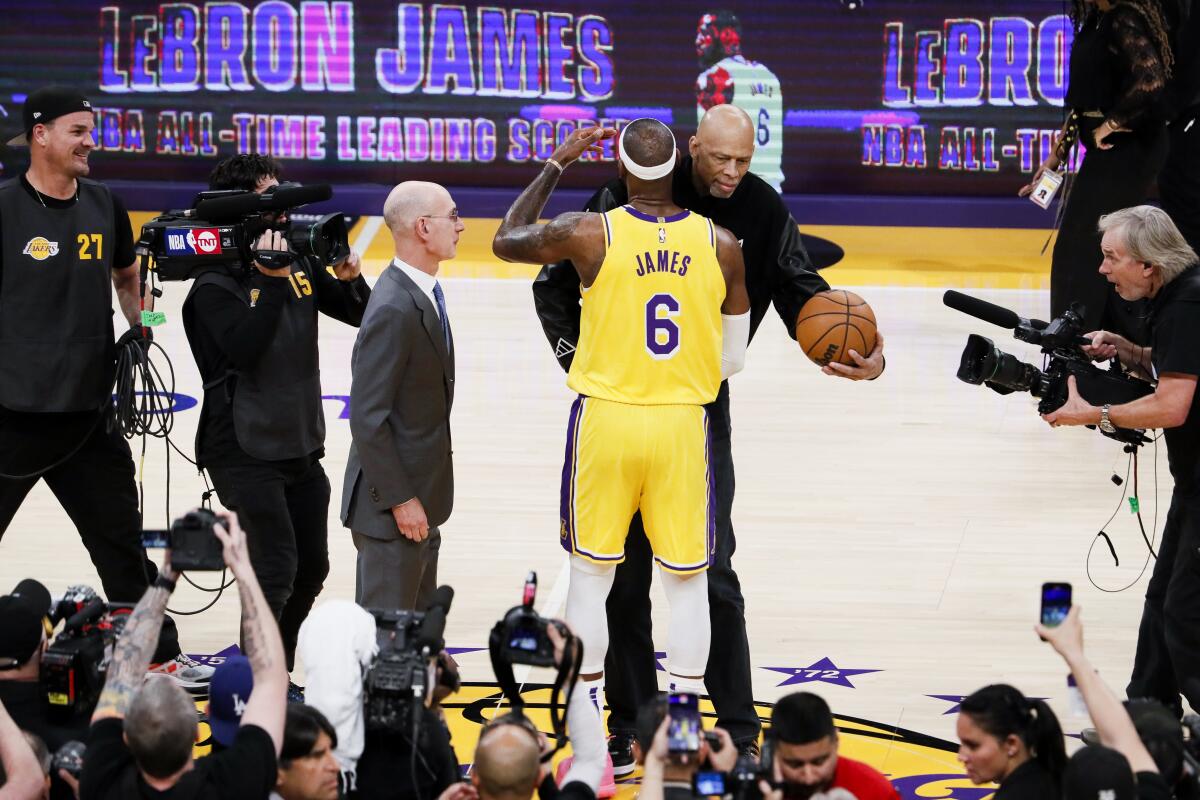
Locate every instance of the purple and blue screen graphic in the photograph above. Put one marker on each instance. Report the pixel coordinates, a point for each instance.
(894, 97)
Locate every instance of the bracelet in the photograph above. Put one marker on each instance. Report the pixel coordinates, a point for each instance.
(554, 163)
(163, 582)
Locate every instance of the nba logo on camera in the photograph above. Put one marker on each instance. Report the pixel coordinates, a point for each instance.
(193, 241)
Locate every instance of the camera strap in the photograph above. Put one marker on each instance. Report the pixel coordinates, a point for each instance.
(568, 675)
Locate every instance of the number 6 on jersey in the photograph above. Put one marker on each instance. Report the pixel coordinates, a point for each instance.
(662, 334)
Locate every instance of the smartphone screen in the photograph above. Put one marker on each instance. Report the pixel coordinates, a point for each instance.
(708, 784)
(684, 728)
(153, 539)
(1056, 603)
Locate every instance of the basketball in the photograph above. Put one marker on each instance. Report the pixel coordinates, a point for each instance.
(833, 323)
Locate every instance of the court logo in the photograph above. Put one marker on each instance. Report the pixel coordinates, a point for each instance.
(39, 248)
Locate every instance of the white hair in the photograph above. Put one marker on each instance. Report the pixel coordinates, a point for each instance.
(1151, 238)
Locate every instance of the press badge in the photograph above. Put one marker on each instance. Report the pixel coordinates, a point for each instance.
(1047, 187)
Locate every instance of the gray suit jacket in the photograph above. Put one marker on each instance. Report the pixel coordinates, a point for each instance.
(400, 398)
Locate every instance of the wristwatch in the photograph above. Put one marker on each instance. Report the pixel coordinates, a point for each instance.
(1105, 423)
(163, 582)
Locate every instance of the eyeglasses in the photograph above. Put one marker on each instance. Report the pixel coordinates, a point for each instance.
(453, 215)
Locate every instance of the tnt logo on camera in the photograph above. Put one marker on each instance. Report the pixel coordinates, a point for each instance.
(193, 241)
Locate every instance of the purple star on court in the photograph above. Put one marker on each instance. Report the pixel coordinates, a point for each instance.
(454, 651)
(956, 701)
(659, 655)
(823, 671)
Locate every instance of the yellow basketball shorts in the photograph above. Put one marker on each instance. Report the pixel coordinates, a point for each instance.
(622, 458)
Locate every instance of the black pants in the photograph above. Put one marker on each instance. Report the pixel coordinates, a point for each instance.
(1108, 180)
(282, 509)
(1179, 181)
(629, 670)
(95, 487)
(1167, 662)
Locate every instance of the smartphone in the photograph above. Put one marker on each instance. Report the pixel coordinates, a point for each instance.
(708, 784)
(155, 539)
(1056, 603)
(684, 728)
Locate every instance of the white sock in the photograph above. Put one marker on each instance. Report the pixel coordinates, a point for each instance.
(678, 683)
(593, 689)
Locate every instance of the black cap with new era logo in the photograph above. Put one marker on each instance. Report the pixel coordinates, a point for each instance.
(48, 104)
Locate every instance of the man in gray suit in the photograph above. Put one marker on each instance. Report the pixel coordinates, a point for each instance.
(399, 483)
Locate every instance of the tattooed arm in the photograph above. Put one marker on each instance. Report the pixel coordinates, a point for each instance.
(576, 236)
(267, 706)
(133, 649)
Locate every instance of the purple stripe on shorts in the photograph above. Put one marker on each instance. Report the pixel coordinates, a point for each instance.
(712, 489)
(566, 507)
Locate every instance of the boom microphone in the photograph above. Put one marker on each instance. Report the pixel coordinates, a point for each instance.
(981, 309)
(433, 627)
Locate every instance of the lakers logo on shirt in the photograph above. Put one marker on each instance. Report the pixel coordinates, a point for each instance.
(39, 248)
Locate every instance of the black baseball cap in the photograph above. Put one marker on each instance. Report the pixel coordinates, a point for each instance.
(21, 626)
(48, 104)
(1099, 773)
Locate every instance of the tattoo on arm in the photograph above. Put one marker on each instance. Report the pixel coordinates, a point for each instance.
(517, 236)
(132, 652)
(253, 635)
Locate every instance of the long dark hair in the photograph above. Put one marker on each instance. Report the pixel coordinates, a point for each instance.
(1152, 11)
(1001, 710)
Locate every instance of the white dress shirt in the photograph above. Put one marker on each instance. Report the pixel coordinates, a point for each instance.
(424, 281)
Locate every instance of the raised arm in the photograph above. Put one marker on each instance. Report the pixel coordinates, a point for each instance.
(520, 237)
(134, 647)
(267, 706)
(23, 774)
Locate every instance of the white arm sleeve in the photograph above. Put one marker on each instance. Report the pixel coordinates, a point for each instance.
(587, 741)
(735, 335)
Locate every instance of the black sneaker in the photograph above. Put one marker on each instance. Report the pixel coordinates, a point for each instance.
(620, 749)
(748, 748)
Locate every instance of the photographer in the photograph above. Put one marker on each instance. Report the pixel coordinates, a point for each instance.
(508, 757)
(261, 429)
(1146, 257)
(806, 761)
(1113, 724)
(22, 642)
(140, 744)
(669, 776)
(65, 246)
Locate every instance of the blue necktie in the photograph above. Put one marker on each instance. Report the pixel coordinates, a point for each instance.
(441, 304)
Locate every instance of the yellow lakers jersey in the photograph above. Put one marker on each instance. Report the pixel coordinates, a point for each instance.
(650, 332)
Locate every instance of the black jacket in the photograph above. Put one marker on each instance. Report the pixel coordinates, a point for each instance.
(778, 269)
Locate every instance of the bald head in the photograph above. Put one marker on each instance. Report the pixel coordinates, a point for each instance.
(408, 201)
(424, 224)
(721, 150)
(506, 763)
(727, 126)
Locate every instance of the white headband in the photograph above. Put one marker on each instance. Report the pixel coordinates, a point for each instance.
(646, 173)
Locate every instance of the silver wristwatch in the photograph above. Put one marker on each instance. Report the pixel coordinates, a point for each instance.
(1105, 423)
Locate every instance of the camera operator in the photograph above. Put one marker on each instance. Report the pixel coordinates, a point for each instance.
(22, 642)
(337, 645)
(1113, 723)
(65, 244)
(140, 743)
(1145, 256)
(668, 777)
(262, 430)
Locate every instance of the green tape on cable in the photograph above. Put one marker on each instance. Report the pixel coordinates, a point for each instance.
(151, 319)
(1133, 505)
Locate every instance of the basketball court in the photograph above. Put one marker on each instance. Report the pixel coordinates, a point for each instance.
(893, 535)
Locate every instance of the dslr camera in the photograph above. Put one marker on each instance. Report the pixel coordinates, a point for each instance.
(221, 227)
(1061, 341)
(193, 544)
(741, 782)
(398, 679)
(520, 637)
(74, 665)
